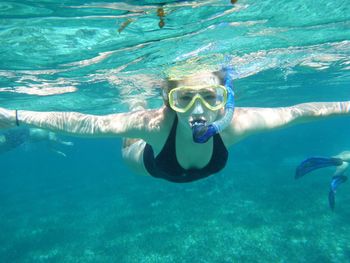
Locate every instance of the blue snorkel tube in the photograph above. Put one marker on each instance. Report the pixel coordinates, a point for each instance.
(201, 132)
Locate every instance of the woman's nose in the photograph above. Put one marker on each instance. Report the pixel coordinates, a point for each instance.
(198, 108)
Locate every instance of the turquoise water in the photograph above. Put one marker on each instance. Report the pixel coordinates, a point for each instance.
(89, 207)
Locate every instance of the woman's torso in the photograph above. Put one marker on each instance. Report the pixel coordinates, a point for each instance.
(179, 159)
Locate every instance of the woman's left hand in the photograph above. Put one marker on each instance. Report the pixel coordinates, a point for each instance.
(7, 118)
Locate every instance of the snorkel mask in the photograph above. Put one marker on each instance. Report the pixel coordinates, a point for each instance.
(201, 131)
(181, 99)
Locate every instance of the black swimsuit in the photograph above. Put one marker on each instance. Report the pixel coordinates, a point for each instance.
(166, 166)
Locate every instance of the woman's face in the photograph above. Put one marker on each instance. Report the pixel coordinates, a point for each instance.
(198, 112)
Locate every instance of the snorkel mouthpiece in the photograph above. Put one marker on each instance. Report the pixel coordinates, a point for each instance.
(197, 123)
(201, 132)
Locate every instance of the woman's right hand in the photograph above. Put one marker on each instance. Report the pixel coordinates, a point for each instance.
(7, 118)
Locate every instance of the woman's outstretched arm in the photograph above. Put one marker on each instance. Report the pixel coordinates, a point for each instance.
(248, 121)
(133, 124)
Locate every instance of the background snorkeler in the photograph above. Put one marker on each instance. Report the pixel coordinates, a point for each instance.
(13, 138)
(341, 161)
(187, 138)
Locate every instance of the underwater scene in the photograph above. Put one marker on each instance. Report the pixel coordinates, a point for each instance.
(72, 199)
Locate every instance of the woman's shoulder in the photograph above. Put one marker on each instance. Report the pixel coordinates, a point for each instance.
(150, 120)
(157, 124)
(159, 119)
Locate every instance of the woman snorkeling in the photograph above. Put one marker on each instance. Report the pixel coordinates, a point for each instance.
(187, 138)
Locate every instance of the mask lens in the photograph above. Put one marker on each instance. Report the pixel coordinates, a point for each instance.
(214, 97)
(183, 98)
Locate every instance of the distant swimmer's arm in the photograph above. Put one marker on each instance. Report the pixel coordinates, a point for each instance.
(134, 124)
(251, 120)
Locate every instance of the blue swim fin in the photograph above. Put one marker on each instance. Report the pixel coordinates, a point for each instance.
(331, 199)
(313, 163)
(336, 181)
